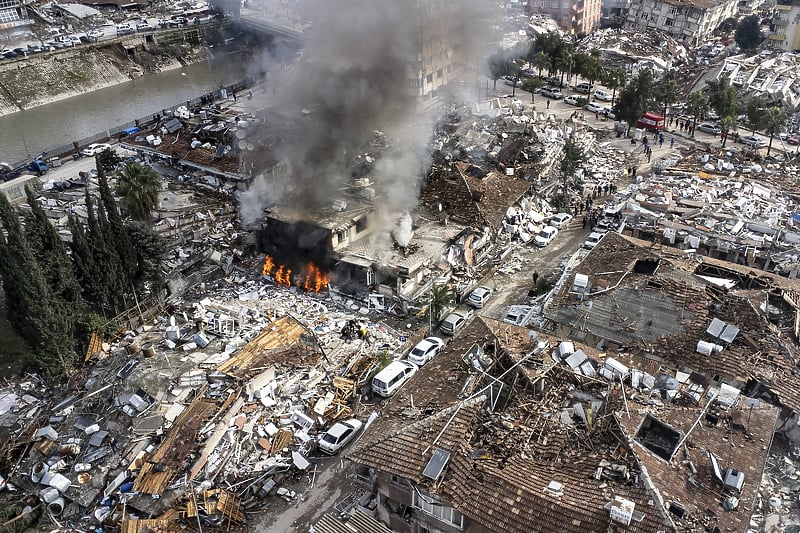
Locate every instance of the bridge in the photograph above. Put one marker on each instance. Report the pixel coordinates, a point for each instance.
(276, 18)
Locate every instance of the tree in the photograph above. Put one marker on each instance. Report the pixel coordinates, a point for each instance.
(33, 311)
(727, 124)
(118, 234)
(138, 187)
(531, 85)
(149, 250)
(748, 32)
(497, 68)
(754, 109)
(579, 60)
(51, 254)
(614, 80)
(565, 61)
(698, 106)
(722, 97)
(82, 259)
(774, 122)
(513, 70)
(540, 61)
(574, 156)
(107, 160)
(666, 93)
(635, 98)
(440, 298)
(593, 68)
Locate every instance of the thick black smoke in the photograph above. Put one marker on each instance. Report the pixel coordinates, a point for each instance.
(354, 80)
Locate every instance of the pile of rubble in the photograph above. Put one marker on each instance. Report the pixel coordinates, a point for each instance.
(653, 48)
(202, 415)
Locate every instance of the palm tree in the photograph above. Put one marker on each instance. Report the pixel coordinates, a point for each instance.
(697, 105)
(497, 68)
(615, 80)
(754, 109)
(593, 69)
(440, 298)
(727, 124)
(565, 61)
(138, 187)
(541, 61)
(774, 122)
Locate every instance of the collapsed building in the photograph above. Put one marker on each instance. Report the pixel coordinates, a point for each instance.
(513, 431)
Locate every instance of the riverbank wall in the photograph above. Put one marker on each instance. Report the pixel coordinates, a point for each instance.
(48, 77)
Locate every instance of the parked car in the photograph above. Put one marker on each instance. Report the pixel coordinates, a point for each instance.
(95, 148)
(34, 48)
(602, 95)
(794, 139)
(425, 350)
(454, 322)
(573, 100)
(593, 107)
(546, 236)
(125, 31)
(143, 26)
(584, 87)
(560, 220)
(391, 378)
(338, 435)
(592, 240)
(552, 92)
(555, 81)
(608, 112)
(512, 81)
(709, 127)
(752, 140)
(479, 296)
(96, 35)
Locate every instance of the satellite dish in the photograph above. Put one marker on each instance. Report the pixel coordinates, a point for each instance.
(241, 134)
(752, 402)
(251, 146)
(242, 145)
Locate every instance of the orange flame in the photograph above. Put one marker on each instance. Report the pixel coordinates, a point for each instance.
(269, 264)
(312, 280)
(315, 279)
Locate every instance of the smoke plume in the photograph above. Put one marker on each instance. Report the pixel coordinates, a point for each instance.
(349, 92)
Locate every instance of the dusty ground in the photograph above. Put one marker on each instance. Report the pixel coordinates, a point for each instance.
(331, 485)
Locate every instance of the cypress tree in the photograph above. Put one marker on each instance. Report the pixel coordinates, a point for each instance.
(150, 250)
(34, 312)
(109, 259)
(118, 232)
(50, 252)
(82, 261)
(101, 277)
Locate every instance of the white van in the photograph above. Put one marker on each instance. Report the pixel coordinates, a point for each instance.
(391, 378)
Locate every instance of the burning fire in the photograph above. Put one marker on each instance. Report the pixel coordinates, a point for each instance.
(312, 280)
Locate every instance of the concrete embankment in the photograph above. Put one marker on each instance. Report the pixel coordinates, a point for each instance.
(48, 77)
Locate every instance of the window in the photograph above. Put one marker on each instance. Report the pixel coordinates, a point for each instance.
(443, 513)
(415, 83)
(8, 15)
(670, 22)
(439, 73)
(361, 224)
(429, 78)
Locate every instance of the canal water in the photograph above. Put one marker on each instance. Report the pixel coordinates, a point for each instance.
(29, 132)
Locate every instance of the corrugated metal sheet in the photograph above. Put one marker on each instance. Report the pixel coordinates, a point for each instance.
(358, 522)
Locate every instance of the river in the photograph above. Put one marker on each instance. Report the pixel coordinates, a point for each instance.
(29, 132)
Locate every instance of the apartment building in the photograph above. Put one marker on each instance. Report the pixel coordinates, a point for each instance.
(440, 55)
(689, 22)
(785, 35)
(12, 14)
(572, 16)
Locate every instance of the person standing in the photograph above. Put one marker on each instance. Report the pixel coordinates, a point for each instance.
(672, 142)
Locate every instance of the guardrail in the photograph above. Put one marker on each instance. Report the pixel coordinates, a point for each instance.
(69, 149)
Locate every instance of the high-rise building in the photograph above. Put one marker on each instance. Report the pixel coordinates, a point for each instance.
(689, 22)
(573, 16)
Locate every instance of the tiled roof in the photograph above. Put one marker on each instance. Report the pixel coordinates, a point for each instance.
(741, 440)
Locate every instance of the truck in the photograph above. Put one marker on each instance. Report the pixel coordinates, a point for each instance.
(8, 172)
(651, 122)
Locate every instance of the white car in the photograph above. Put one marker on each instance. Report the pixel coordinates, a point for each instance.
(95, 148)
(602, 95)
(561, 220)
(752, 140)
(455, 321)
(709, 127)
(338, 435)
(425, 350)
(592, 240)
(478, 297)
(592, 107)
(573, 100)
(545, 236)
